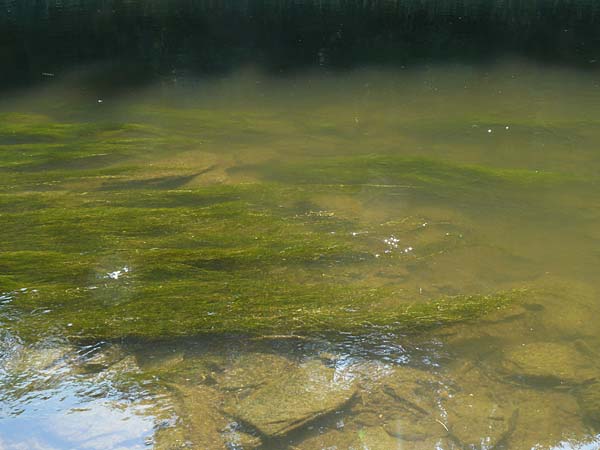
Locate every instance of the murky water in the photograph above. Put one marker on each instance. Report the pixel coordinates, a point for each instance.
(379, 258)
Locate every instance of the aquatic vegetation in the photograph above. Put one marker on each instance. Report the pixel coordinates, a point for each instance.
(41, 153)
(243, 258)
(112, 262)
(210, 123)
(18, 127)
(225, 303)
(409, 172)
(110, 243)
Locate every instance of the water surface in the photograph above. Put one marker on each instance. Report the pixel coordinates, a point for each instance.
(401, 257)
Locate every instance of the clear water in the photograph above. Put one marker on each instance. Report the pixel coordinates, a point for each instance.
(184, 263)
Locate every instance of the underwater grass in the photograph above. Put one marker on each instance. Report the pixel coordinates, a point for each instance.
(235, 304)
(413, 172)
(35, 148)
(95, 247)
(219, 259)
(420, 180)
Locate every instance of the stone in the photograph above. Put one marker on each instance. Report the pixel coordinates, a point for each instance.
(251, 371)
(329, 440)
(410, 430)
(404, 404)
(568, 307)
(103, 358)
(171, 438)
(39, 359)
(362, 438)
(547, 418)
(548, 363)
(162, 362)
(476, 420)
(588, 398)
(239, 439)
(376, 438)
(293, 399)
(199, 425)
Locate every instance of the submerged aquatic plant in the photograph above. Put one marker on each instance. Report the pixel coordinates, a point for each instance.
(410, 172)
(105, 249)
(223, 259)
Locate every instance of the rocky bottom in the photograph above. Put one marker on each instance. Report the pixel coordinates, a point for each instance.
(308, 395)
(501, 383)
(263, 400)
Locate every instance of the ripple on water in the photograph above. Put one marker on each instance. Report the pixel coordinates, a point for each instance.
(51, 401)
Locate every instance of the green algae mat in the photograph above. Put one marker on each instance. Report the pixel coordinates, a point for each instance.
(141, 229)
(253, 258)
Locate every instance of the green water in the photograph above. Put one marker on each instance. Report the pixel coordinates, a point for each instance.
(371, 259)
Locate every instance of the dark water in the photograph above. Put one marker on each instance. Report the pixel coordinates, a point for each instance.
(299, 225)
(148, 39)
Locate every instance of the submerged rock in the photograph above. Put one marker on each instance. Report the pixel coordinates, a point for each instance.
(412, 396)
(237, 439)
(403, 403)
(162, 358)
(329, 439)
(547, 418)
(40, 358)
(477, 420)
(375, 438)
(363, 438)
(199, 424)
(294, 399)
(589, 402)
(251, 371)
(549, 363)
(478, 413)
(102, 357)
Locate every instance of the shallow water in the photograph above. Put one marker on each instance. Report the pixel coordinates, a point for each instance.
(371, 259)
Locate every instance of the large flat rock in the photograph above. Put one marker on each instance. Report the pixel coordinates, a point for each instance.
(252, 370)
(477, 419)
(294, 399)
(548, 362)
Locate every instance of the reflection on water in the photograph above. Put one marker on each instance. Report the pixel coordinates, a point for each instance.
(53, 403)
(69, 422)
(374, 259)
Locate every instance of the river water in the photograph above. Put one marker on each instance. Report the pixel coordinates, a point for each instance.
(383, 256)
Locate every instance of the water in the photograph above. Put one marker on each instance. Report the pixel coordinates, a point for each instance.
(267, 251)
